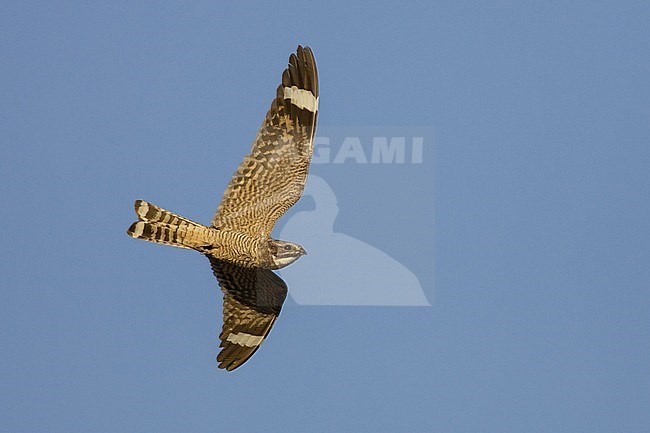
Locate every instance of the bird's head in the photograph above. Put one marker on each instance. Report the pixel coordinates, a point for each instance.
(284, 253)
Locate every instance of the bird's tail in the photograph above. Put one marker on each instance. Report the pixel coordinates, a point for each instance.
(158, 225)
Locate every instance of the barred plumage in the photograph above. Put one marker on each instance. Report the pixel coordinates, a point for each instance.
(272, 177)
(164, 227)
(238, 243)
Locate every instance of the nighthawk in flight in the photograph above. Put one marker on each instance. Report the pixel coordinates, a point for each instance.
(238, 242)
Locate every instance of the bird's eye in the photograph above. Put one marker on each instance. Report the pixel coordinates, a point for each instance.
(287, 247)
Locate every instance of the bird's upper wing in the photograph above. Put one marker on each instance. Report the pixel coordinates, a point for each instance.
(272, 177)
(252, 300)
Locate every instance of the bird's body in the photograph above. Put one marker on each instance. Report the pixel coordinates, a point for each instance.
(238, 242)
(161, 226)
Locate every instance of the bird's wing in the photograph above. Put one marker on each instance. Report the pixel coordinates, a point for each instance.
(252, 300)
(272, 177)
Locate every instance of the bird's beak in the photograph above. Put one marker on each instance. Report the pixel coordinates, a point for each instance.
(302, 251)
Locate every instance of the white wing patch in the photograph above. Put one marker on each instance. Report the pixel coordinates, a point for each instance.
(301, 98)
(244, 339)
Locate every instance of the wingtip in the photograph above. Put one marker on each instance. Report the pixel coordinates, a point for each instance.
(301, 70)
(303, 52)
(228, 365)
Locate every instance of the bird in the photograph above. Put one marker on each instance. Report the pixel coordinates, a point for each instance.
(238, 242)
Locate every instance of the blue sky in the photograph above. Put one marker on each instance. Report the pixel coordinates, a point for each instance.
(533, 216)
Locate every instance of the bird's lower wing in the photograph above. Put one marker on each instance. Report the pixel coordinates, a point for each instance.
(252, 301)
